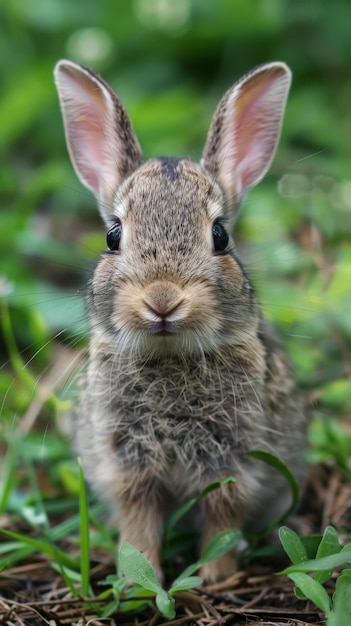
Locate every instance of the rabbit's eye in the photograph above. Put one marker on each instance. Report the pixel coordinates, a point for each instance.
(113, 236)
(220, 236)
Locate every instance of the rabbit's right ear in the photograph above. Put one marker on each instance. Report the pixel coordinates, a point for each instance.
(99, 135)
(245, 129)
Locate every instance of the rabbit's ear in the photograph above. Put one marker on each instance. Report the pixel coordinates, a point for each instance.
(245, 128)
(99, 134)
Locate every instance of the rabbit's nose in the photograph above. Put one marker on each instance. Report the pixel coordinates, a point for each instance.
(162, 299)
(162, 311)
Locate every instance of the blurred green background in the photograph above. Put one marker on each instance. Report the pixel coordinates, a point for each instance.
(170, 61)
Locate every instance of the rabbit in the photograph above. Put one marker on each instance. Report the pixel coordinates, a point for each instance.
(184, 376)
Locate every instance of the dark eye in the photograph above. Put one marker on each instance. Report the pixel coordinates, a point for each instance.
(220, 236)
(113, 236)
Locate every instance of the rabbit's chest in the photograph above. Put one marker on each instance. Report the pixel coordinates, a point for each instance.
(180, 423)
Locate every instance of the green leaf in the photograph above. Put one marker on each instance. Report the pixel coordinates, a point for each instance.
(50, 448)
(137, 568)
(337, 394)
(182, 510)
(330, 439)
(136, 597)
(292, 545)
(165, 604)
(116, 582)
(219, 545)
(185, 583)
(320, 565)
(329, 545)
(311, 544)
(280, 466)
(69, 476)
(341, 613)
(299, 594)
(110, 608)
(10, 546)
(312, 590)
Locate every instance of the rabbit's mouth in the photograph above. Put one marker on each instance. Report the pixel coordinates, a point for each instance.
(163, 309)
(164, 328)
(163, 333)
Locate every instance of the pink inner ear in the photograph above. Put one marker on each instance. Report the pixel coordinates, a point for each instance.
(87, 147)
(257, 119)
(87, 117)
(86, 125)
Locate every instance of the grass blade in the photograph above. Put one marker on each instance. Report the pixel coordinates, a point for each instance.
(42, 546)
(219, 545)
(84, 534)
(280, 466)
(182, 510)
(9, 480)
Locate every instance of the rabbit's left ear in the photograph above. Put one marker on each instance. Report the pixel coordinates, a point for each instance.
(103, 147)
(245, 128)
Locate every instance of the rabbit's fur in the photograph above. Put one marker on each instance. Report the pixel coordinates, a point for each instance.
(184, 376)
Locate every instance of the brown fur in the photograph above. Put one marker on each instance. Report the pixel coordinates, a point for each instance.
(163, 415)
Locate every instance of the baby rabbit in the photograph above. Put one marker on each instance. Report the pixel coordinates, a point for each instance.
(184, 376)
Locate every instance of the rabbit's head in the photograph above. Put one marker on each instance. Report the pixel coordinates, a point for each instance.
(171, 280)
